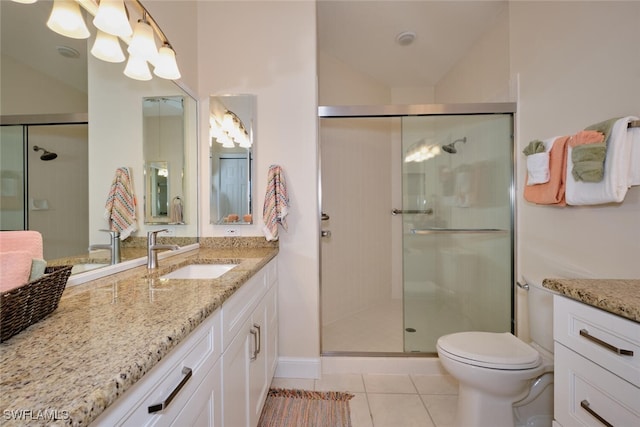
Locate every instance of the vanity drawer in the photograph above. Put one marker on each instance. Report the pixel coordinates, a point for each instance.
(604, 338)
(585, 391)
(237, 309)
(198, 352)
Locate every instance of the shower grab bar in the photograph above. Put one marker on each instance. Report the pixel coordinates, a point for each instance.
(411, 211)
(457, 230)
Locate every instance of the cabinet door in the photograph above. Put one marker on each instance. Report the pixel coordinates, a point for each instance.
(204, 408)
(271, 344)
(258, 371)
(235, 378)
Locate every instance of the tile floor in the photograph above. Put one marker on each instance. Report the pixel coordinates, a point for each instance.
(389, 400)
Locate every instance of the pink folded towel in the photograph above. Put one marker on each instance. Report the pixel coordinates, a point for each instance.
(15, 269)
(553, 191)
(22, 240)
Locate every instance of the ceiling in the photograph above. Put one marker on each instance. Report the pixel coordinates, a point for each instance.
(362, 34)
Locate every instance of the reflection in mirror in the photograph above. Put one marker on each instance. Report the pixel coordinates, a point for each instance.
(232, 126)
(71, 85)
(163, 149)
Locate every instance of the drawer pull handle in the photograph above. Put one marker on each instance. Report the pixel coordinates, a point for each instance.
(253, 332)
(187, 372)
(259, 349)
(585, 333)
(586, 407)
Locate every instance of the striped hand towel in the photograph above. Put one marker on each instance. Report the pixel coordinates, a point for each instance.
(276, 203)
(120, 209)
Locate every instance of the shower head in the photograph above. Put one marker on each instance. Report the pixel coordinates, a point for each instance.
(451, 148)
(46, 155)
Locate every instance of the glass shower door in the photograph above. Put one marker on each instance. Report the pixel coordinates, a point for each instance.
(456, 226)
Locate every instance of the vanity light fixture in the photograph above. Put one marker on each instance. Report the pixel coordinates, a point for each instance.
(166, 65)
(107, 48)
(143, 43)
(112, 18)
(25, 1)
(137, 68)
(66, 19)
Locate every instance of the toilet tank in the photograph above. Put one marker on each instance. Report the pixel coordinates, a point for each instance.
(540, 307)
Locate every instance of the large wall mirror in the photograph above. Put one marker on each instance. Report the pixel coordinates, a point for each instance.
(163, 144)
(102, 128)
(232, 144)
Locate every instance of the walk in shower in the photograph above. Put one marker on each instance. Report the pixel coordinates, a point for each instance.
(417, 220)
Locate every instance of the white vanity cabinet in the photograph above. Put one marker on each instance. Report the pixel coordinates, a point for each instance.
(248, 362)
(597, 367)
(219, 375)
(187, 381)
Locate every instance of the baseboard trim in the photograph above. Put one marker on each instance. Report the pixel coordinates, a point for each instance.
(382, 365)
(298, 367)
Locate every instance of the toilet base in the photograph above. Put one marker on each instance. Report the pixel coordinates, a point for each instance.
(476, 409)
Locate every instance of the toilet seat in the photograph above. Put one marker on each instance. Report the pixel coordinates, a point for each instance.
(490, 350)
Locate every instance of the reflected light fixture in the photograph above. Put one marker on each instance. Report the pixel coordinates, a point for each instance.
(66, 19)
(229, 130)
(143, 43)
(112, 18)
(107, 48)
(25, 1)
(137, 68)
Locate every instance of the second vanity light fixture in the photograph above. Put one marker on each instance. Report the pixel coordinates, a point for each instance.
(229, 130)
(112, 22)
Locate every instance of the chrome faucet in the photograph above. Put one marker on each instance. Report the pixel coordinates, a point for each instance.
(113, 246)
(152, 248)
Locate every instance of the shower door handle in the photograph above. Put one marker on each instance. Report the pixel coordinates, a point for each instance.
(411, 211)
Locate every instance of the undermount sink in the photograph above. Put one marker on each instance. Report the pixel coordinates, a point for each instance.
(199, 271)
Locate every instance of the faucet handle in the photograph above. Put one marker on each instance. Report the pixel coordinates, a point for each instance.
(114, 233)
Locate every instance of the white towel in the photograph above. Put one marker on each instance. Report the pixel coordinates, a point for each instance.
(633, 135)
(538, 164)
(616, 181)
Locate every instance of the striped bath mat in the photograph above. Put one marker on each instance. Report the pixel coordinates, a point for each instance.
(296, 408)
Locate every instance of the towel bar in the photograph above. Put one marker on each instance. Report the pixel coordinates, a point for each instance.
(457, 230)
(634, 124)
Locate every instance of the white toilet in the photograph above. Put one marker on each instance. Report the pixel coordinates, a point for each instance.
(503, 381)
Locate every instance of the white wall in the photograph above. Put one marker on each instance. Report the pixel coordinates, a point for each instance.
(578, 64)
(269, 49)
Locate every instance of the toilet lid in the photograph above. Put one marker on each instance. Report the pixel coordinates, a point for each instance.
(490, 350)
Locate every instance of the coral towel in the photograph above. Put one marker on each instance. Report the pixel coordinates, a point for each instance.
(276, 203)
(120, 209)
(551, 192)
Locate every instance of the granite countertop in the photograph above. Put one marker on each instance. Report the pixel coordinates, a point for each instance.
(107, 333)
(617, 296)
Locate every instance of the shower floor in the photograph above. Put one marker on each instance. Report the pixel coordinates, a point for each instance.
(381, 328)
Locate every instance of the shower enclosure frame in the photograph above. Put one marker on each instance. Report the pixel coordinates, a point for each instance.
(379, 111)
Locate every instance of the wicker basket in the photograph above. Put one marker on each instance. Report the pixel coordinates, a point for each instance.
(22, 307)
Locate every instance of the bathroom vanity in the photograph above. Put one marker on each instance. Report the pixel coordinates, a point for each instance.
(597, 352)
(137, 349)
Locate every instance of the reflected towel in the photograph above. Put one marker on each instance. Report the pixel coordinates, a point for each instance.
(120, 209)
(276, 203)
(22, 240)
(551, 192)
(617, 164)
(176, 216)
